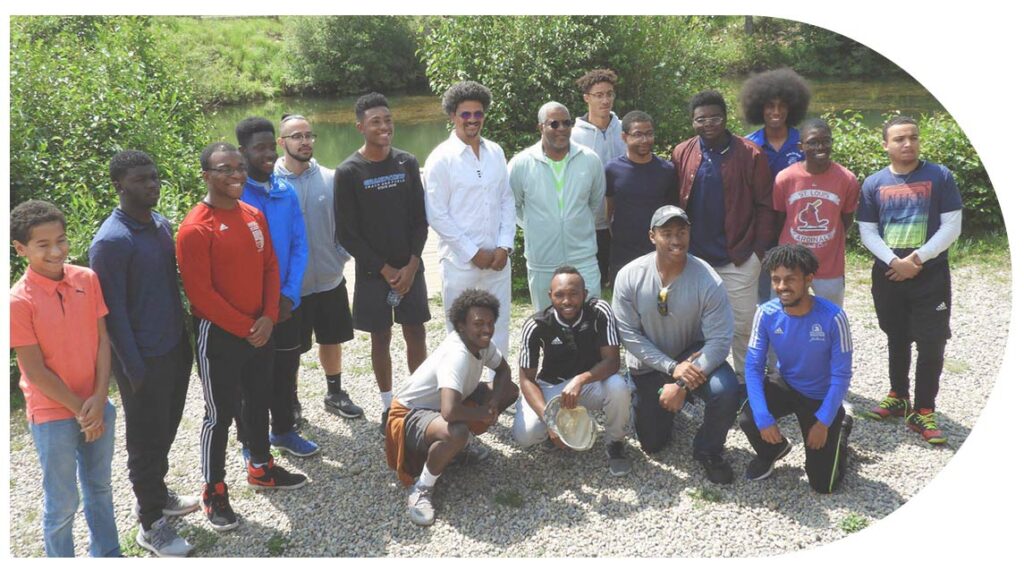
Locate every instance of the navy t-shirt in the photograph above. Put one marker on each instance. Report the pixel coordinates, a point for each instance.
(638, 190)
(706, 208)
(908, 208)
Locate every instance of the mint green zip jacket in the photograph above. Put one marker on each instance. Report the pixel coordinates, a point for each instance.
(557, 234)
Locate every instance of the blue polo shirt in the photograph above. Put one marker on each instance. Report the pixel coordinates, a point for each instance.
(779, 159)
(139, 278)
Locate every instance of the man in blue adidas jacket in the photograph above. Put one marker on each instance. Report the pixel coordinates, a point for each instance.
(811, 338)
(276, 199)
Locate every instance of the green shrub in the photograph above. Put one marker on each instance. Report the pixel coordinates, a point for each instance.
(859, 148)
(352, 54)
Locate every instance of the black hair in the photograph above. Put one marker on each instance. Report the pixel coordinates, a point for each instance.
(792, 257)
(125, 160)
(249, 126)
(571, 271)
(204, 157)
(635, 117)
(465, 91)
(784, 84)
(290, 116)
(369, 101)
(593, 77)
(709, 97)
(30, 214)
(897, 120)
(814, 124)
(468, 299)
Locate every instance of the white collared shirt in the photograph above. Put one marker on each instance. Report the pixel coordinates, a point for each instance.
(468, 199)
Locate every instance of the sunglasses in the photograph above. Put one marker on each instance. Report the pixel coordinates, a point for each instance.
(555, 123)
(466, 115)
(663, 302)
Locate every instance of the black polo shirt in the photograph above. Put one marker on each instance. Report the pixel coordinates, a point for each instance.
(569, 349)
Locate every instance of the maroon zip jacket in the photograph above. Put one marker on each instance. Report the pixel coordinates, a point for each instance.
(749, 219)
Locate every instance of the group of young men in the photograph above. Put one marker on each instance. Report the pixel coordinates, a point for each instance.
(682, 243)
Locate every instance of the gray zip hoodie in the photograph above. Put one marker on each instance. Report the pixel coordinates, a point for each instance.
(608, 145)
(315, 188)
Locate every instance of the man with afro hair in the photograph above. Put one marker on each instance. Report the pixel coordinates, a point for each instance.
(777, 100)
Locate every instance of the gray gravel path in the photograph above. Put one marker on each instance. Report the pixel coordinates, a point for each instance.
(555, 503)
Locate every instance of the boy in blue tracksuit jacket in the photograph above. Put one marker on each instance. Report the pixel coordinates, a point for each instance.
(276, 199)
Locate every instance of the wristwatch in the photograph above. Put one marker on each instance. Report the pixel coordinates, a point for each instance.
(507, 250)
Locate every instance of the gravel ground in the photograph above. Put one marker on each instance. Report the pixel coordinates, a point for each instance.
(555, 503)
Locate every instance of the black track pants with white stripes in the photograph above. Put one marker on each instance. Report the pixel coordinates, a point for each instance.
(228, 368)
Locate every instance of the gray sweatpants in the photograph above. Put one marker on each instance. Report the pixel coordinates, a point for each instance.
(611, 395)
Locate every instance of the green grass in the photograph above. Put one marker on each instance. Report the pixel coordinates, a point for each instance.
(509, 499)
(277, 544)
(129, 548)
(702, 495)
(201, 538)
(956, 366)
(853, 522)
(988, 250)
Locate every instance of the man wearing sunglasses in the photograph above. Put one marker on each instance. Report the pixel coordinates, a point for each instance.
(559, 189)
(725, 185)
(676, 324)
(581, 363)
(469, 205)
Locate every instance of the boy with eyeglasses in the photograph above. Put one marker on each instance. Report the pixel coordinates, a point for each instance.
(229, 271)
(559, 189)
(676, 324)
(600, 130)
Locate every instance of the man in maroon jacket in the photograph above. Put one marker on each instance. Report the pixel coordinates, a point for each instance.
(725, 186)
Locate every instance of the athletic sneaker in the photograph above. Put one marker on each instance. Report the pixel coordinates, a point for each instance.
(890, 407)
(176, 505)
(715, 468)
(473, 453)
(162, 540)
(922, 421)
(294, 444)
(339, 403)
(218, 508)
(618, 463)
(421, 508)
(760, 468)
(273, 477)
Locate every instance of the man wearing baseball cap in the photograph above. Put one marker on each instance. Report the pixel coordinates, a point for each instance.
(676, 324)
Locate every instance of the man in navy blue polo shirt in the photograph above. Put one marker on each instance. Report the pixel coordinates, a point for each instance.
(133, 255)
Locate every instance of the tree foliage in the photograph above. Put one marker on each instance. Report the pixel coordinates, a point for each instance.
(352, 54)
(82, 89)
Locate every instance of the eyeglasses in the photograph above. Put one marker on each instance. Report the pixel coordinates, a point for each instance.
(301, 137)
(642, 136)
(663, 302)
(467, 115)
(603, 95)
(555, 123)
(713, 120)
(228, 171)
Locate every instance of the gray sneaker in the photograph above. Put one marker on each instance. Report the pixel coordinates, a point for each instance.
(618, 463)
(162, 540)
(176, 505)
(473, 453)
(421, 508)
(340, 404)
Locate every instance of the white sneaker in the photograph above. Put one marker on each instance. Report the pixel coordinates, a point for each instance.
(162, 540)
(421, 508)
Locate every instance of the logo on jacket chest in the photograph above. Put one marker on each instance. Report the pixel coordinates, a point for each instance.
(257, 234)
(817, 333)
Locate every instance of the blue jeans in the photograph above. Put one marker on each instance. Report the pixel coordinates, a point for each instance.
(62, 448)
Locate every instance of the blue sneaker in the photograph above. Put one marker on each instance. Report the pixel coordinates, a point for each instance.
(294, 444)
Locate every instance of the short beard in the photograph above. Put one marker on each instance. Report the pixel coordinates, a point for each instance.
(296, 157)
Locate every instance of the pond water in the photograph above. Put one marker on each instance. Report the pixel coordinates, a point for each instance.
(420, 124)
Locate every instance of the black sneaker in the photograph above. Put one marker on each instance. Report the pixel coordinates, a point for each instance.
(760, 468)
(218, 509)
(715, 468)
(618, 463)
(339, 404)
(384, 422)
(271, 476)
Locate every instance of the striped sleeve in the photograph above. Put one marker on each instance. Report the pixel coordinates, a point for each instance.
(842, 326)
(754, 334)
(529, 346)
(606, 320)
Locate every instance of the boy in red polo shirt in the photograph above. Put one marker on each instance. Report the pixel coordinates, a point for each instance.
(230, 274)
(60, 336)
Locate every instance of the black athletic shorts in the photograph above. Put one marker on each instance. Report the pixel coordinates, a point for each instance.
(370, 309)
(917, 309)
(327, 314)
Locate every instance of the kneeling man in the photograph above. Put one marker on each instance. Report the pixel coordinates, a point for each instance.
(581, 363)
(811, 337)
(444, 402)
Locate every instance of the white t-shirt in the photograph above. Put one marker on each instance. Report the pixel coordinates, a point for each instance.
(451, 366)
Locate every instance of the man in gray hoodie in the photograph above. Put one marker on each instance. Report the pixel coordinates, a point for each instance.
(324, 308)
